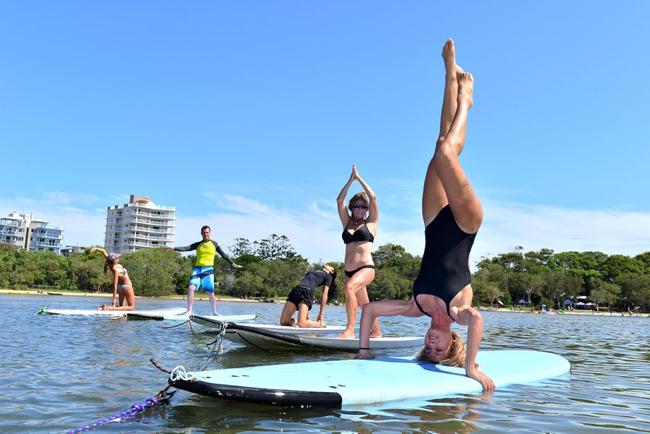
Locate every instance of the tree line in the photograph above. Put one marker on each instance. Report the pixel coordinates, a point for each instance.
(271, 267)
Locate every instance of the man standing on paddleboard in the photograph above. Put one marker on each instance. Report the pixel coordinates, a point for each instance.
(203, 271)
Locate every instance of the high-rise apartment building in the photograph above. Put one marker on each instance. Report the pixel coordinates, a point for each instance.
(26, 232)
(139, 224)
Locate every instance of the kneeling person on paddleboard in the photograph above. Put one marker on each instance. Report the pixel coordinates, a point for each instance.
(121, 282)
(452, 215)
(301, 298)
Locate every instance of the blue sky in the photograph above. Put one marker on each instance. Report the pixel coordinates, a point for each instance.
(248, 115)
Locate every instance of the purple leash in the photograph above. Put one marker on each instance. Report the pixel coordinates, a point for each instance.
(161, 398)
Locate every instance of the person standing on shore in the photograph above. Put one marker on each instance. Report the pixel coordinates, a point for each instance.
(122, 285)
(203, 271)
(359, 230)
(452, 215)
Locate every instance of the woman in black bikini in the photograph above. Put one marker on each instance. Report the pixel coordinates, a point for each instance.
(452, 215)
(359, 229)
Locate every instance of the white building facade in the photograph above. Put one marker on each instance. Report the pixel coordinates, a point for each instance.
(26, 232)
(139, 224)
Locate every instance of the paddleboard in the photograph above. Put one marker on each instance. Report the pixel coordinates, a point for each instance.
(270, 340)
(340, 383)
(109, 313)
(210, 322)
(164, 316)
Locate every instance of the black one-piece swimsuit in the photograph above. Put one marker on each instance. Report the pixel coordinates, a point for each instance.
(444, 270)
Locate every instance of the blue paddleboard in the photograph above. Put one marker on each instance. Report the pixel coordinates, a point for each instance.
(351, 382)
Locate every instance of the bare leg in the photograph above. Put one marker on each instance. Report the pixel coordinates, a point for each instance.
(287, 314)
(213, 303)
(463, 201)
(434, 197)
(303, 317)
(362, 300)
(352, 287)
(125, 294)
(190, 298)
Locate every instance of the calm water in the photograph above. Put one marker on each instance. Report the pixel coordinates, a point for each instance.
(60, 373)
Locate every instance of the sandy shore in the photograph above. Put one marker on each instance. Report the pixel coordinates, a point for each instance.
(568, 312)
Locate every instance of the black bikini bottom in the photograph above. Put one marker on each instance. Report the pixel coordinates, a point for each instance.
(353, 272)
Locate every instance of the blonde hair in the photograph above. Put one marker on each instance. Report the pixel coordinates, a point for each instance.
(456, 355)
(362, 196)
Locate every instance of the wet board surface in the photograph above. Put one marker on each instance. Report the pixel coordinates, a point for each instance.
(353, 382)
(208, 322)
(163, 316)
(110, 313)
(270, 340)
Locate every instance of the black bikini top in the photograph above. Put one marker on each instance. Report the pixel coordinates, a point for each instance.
(361, 234)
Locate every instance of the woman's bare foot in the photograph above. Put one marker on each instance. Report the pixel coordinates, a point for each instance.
(450, 102)
(465, 89)
(375, 331)
(449, 57)
(347, 334)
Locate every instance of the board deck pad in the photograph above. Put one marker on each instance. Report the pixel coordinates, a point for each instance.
(353, 382)
(270, 340)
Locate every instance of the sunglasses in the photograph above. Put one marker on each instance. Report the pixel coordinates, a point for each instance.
(359, 207)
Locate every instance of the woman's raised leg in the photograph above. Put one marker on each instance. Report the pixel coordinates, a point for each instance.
(434, 197)
(462, 198)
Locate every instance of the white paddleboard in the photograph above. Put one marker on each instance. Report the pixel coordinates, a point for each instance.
(352, 382)
(163, 316)
(270, 340)
(210, 322)
(109, 313)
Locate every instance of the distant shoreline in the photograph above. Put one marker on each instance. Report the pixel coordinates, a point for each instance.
(204, 297)
(57, 293)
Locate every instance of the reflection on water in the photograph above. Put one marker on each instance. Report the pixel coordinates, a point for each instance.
(59, 373)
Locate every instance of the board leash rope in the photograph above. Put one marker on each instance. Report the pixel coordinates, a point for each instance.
(161, 398)
(217, 346)
(179, 373)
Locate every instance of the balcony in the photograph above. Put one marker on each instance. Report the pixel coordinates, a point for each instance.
(151, 231)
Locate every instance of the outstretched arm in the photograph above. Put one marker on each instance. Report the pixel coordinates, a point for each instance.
(189, 248)
(381, 308)
(115, 282)
(373, 210)
(224, 255)
(340, 200)
(474, 321)
(100, 250)
(323, 303)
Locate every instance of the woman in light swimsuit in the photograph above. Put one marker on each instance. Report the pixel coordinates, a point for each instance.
(121, 283)
(359, 229)
(452, 215)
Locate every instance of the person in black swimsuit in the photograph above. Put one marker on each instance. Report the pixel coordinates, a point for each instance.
(452, 215)
(359, 229)
(301, 297)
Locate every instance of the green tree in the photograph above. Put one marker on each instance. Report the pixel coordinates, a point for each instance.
(152, 271)
(489, 284)
(617, 265)
(557, 286)
(605, 293)
(635, 291)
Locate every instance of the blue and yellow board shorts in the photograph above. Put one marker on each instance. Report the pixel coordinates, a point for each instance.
(202, 277)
